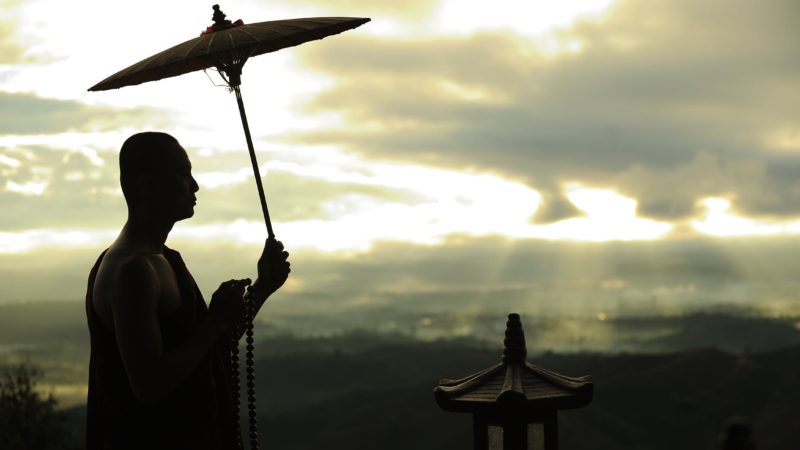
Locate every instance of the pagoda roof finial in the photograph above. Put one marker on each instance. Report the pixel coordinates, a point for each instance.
(514, 351)
(514, 382)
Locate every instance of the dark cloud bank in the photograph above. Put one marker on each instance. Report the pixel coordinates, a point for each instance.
(24, 113)
(667, 101)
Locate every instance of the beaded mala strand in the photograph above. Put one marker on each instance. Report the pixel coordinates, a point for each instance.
(251, 375)
(235, 386)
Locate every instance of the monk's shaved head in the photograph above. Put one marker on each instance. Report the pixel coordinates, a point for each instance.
(143, 154)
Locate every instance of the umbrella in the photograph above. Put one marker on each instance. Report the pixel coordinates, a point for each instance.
(226, 46)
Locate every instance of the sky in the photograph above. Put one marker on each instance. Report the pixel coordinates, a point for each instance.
(595, 155)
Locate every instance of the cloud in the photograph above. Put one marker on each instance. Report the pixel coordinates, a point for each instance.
(409, 9)
(756, 185)
(78, 188)
(291, 196)
(22, 113)
(11, 51)
(658, 99)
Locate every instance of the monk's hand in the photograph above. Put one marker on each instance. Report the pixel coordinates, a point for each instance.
(273, 269)
(227, 308)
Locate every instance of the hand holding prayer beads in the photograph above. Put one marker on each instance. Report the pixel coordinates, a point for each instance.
(227, 307)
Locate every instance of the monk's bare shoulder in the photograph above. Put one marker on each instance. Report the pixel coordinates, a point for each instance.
(122, 276)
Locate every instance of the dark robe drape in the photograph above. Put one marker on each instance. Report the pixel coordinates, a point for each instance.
(196, 415)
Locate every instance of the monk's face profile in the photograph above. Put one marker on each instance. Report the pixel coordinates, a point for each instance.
(173, 186)
(157, 179)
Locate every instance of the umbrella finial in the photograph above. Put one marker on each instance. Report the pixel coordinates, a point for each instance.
(219, 18)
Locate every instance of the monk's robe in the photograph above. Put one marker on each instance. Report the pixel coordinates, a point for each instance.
(196, 415)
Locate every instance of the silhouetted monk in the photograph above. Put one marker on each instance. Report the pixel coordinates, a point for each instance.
(158, 372)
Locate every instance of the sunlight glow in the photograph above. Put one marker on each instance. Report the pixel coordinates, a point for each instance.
(449, 203)
(466, 204)
(436, 203)
(785, 140)
(719, 220)
(609, 216)
(601, 204)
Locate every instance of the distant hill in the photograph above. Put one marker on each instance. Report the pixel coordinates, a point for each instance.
(383, 397)
(364, 391)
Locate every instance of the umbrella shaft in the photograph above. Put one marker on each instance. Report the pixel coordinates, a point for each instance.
(256, 172)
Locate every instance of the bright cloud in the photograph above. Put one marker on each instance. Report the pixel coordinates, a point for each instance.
(25, 241)
(449, 203)
(28, 188)
(526, 16)
(720, 220)
(609, 216)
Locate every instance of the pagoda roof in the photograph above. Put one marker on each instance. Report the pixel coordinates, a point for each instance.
(515, 381)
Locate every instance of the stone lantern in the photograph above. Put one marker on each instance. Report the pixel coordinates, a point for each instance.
(514, 403)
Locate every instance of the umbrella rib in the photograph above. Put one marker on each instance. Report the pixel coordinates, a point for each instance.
(210, 41)
(232, 42)
(278, 31)
(255, 38)
(238, 56)
(186, 55)
(244, 55)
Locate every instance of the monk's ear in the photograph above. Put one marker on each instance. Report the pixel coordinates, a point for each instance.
(145, 185)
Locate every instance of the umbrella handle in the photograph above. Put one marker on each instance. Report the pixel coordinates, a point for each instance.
(256, 172)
